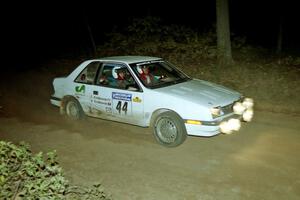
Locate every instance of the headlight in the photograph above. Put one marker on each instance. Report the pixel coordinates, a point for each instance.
(215, 112)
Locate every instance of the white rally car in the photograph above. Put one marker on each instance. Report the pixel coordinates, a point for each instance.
(150, 92)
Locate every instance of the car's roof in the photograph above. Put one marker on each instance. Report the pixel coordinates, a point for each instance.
(129, 59)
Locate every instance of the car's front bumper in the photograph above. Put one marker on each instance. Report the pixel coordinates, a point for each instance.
(211, 128)
(241, 111)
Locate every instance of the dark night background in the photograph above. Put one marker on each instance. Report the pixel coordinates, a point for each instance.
(44, 40)
(34, 33)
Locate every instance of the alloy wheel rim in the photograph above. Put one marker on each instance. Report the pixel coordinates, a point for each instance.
(166, 130)
(72, 110)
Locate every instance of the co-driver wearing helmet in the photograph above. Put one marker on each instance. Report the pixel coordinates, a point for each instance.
(120, 76)
(145, 75)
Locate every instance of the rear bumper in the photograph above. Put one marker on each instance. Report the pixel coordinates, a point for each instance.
(55, 101)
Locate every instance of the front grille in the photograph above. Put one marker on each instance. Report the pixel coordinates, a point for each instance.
(227, 109)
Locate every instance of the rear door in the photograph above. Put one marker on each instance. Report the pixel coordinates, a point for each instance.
(84, 83)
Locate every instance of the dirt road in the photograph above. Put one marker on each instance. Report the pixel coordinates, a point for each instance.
(260, 162)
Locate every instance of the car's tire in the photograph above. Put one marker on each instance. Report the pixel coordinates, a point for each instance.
(73, 109)
(169, 129)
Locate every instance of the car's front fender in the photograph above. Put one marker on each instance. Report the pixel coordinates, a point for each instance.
(156, 102)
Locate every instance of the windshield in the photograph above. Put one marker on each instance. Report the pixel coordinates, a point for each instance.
(158, 74)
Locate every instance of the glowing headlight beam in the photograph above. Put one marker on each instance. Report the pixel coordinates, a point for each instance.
(248, 103)
(238, 108)
(229, 126)
(248, 115)
(234, 124)
(225, 128)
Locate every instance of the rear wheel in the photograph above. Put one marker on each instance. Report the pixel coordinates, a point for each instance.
(74, 109)
(169, 129)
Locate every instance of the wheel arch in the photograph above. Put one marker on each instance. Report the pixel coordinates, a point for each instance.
(158, 112)
(161, 135)
(65, 99)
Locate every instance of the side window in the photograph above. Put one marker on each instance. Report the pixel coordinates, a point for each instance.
(88, 74)
(105, 77)
(117, 76)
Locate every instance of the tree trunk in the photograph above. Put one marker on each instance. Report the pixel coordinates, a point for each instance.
(90, 36)
(223, 33)
(279, 37)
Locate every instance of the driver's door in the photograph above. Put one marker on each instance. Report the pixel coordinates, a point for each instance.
(108, 101)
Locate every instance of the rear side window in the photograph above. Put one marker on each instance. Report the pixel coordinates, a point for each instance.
(88, 75)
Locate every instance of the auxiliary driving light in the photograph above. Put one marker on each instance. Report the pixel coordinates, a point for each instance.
(248, 115)
(239, 108)
(231, 125)
(248, 103)
(234, 124)
(225, 128)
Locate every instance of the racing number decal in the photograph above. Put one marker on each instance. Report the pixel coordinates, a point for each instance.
(121, 108)
(121, 103)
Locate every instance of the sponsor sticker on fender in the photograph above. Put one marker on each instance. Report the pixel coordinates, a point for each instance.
(121, 96)
(137, 100)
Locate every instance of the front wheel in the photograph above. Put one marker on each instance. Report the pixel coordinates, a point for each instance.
(169, 129)
(74, 110)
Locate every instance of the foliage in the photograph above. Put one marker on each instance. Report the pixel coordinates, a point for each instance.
(272, 80)
(24, 175)
(289, 60)
(256, 72)
(148, 36)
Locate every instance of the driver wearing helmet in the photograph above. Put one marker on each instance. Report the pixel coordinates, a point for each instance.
(119, 75)
(145, 74)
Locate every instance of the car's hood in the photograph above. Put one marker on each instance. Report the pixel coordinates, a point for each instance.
(202, 92)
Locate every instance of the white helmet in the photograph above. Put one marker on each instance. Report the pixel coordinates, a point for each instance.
(139, 69)
(114, 72)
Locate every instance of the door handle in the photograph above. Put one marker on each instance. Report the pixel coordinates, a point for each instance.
(95, 92)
